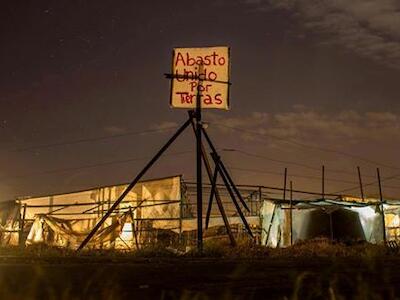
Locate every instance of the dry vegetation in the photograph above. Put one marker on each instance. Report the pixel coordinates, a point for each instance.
(316, 269)
(245, 249)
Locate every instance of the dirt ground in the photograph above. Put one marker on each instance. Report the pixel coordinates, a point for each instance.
(199, 278)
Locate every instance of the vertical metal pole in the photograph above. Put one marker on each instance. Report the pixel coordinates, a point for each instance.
(216, 191)
(251, 199)
(21, 229)
(198, 167)
(323, 182)
(134, 233)
(284, 185)
(323, 198)
(382, 210)
(284, 197)
(291, 213)
(180, 213)
(361, 184)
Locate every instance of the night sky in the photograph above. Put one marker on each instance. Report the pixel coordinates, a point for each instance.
(84, 102)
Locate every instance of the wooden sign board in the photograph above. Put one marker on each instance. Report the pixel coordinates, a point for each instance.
(200, 70)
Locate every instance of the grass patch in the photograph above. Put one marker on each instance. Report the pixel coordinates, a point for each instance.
(245, 248)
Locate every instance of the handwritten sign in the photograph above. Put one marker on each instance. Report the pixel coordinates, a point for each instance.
(203, 72)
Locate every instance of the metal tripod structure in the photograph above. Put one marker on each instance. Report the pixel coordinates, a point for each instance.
(219, 170)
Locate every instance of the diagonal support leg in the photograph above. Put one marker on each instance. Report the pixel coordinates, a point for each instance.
(225, 172)
(134, 182)
(231, 193)
(213, 188)
(233, 185)
(217, 195)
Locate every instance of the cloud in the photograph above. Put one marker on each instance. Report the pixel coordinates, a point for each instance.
(370, 28)
(256, 121)
(164, 125)
(315, 127)
(112, 129)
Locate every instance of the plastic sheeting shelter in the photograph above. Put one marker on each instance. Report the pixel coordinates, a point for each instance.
(338, 220)
(156, 211)
(65, 219)
(9, 223)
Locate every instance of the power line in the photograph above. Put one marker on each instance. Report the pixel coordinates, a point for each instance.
(309, 146)
(233, 150)
(305, 176)
(94, 139)
(89, 166)
(372, 183)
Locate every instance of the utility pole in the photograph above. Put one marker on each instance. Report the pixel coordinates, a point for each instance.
(198, 166)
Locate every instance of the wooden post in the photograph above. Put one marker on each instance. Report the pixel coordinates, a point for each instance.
(284, 184)
(180, 214)
(331, 225)
(323, 183)
(291, 213)
(361, 184)
(198, 166)
(382, 209)
(284, 199)
(21, 227)
(133, 228)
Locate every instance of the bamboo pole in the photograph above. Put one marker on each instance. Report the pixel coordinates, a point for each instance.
(199, 175)
(21, 228)
(323, 183)
(382, 208)
(361, 184)
(291, 213)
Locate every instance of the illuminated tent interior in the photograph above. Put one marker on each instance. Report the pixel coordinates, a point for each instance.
(345, 221)
(155, 211)
(162, 211)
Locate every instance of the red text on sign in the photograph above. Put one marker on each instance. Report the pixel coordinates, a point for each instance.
(207, 60)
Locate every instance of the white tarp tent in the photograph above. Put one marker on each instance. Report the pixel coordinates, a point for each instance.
(341, 220)
(65, 219)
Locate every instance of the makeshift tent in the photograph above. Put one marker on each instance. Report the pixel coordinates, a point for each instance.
(338, 220)
(153, 212)
(65, 219)
(9, 223)
(160, 211)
